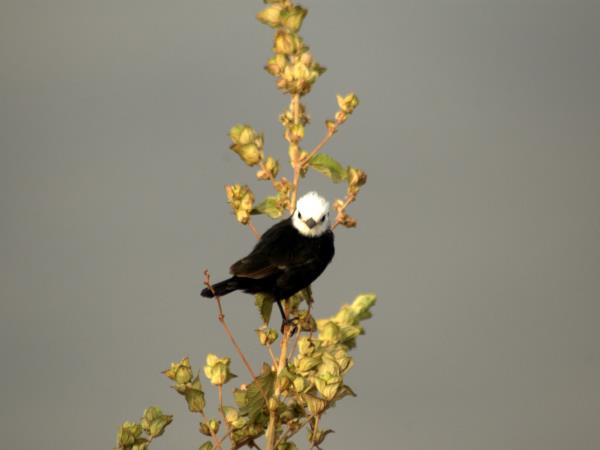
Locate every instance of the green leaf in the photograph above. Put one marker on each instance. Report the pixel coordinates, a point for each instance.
(194, 396)
(269, 206)
(207, 446)
(256, 392)
(264, 303)
(329, 167)
(240, 397)
(344, 391)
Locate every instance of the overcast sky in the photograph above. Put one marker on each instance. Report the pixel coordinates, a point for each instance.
(479, 228)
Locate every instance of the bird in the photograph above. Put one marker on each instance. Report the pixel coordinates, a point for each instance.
(288, 257)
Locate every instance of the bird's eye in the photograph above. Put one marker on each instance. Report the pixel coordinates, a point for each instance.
(299, 215)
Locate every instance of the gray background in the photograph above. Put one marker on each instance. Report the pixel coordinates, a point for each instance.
(479, 227)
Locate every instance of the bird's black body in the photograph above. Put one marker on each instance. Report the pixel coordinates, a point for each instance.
(282, 263)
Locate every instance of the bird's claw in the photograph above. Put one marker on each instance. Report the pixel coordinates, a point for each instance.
(293, 322)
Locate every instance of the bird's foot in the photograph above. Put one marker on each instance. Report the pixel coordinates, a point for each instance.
(291, 322)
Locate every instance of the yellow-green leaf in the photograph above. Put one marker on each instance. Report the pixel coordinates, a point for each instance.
(269, 206)
(264, 303)
(329, 167)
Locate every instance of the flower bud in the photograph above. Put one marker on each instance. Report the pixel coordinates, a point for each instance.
(331, 126)
(344, 361)
(328, 389)
(276, 64)
(266, 336)
(300, 384)
(305, 345)
(231, 414)
(270, 16)
(217, 369)
(306, 364)
(306, 58)
(287, 43)
(294, 133)
(347, 221)
(315, 404)
(250, 153)
(128, 433)
(180, 372)
(271, 169)
(154, 421)
(241, 199)
(330, 333)
(356, 177)
(348, 103)
(141, 444)
(292, 18)
(247, 143)
(211, 425)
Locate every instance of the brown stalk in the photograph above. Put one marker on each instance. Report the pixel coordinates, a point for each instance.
(216, 441)
(229, 427)
(295, 106)
(221, 318)
(253, 229)
(323, 142)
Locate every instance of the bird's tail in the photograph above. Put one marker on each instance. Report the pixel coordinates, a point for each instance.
(222, 288)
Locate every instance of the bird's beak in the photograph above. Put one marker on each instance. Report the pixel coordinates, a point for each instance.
(310, 223)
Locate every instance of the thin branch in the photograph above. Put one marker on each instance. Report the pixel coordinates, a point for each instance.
(268, 172)
(216, 441)
(309, 302)
(253, 229)
(313, 438)
(288, 433)
(220, 390)
(272, 428)
(221, 318)
(349, 199)
(271, 354)
(323, 142)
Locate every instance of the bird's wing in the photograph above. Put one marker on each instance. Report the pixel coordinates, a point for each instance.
(254, 267)
(271, 254)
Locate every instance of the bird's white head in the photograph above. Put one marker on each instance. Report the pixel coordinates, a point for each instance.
(311, 217)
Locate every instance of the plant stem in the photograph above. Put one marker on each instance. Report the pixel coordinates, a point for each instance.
(253, 229)
(271, 177)
(314, 434)
(323, 142)
(271, 428)
(216, 441)
(220, 390)
(221, 318)
(349, 199)
(295, 106)
(272, 355)
(288, 434)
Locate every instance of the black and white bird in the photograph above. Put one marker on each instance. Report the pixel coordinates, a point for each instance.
(288, 257)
